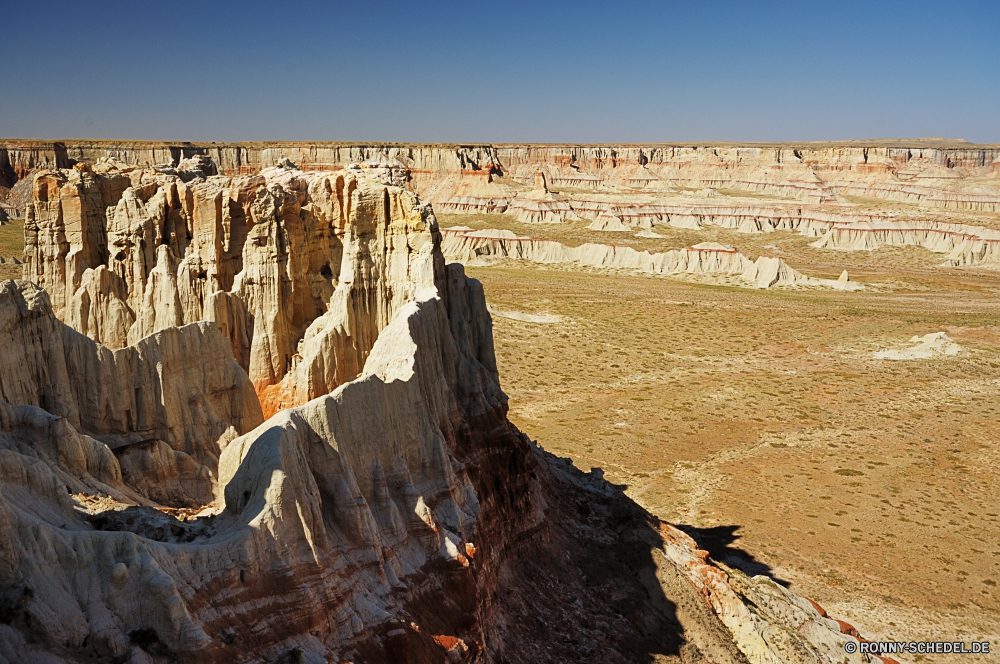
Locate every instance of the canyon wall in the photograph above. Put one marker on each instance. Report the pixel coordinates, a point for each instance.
(255, 417)
(400, 518)
(300, 270)
(704, 259)
(946, 174)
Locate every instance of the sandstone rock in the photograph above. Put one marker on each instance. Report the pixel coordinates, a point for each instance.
(931, 173)
(608, 223)
(369, 478)
(540, 181)
(98, 309)
(540, 207)
(809, 170)
(125, 396)
(706, 258)
(164, 475)
(928, 346)
(184, 249)
(347, 512)
(389, 510)
(965, 244)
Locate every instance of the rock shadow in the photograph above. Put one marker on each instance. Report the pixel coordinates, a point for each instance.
(718, 541)
(597, 585)
(150, 523)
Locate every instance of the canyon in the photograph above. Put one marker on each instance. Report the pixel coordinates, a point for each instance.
(252, 405)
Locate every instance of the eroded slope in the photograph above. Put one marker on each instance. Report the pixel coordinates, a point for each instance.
(389, 512)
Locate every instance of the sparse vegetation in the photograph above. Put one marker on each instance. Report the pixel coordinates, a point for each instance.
(757, 409)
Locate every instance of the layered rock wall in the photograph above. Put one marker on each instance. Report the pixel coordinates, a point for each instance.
(399, 518)
(703, 259)
(337, 521)
(389, 512)
(936, 174)
(177, 392)
(300, 270)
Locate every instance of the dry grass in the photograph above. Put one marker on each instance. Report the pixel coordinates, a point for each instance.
(11, 245)
(868, 484)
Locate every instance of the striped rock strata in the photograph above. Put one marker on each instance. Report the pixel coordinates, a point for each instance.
(932, 173)
(707, 258)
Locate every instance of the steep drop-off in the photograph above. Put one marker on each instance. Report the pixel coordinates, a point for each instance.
(704, 259)
(388, 513)
(300, 270)
(912, 188)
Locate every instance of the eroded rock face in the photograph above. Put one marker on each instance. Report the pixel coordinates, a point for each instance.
(363, 500)
(387, 511)
(398, 518)
(179, 388)
(478, 178)
(706, 259)
(300, 270)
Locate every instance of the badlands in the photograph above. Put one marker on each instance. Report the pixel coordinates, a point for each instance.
(681, 402)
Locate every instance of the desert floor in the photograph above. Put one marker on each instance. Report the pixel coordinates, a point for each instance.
(761, 421)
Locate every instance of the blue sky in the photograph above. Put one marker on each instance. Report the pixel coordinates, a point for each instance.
(502, 71)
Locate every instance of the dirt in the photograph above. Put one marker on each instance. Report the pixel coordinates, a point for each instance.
(761, 422)
(11, 246)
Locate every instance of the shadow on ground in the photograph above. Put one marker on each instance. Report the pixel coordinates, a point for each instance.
(593, 583)
(718, 541)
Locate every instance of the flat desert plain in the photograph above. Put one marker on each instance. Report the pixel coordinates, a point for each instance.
(774, 425)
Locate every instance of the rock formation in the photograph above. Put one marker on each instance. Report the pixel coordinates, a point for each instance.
(612, 186)
(930, 345)
(179, 388)
(386, 511)
(291, 265)
(705, 258)
(399, 518)
(932, 173)
(966, 245)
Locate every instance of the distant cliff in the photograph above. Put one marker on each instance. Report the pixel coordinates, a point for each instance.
(20, 157)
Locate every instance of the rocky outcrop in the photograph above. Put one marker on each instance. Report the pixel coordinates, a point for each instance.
(386, 510)
(966, 245)
(706, 258)
(300, 270)
(838, 227)
(179, 389)
(541, 208)
(932, 173)
(399, 518)
(935, 344)
(19, 158)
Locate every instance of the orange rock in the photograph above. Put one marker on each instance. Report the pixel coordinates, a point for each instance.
(446, 642)
(819, 609)
(848, 629)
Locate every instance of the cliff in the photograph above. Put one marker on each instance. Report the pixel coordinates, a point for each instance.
(935, 173)
(300, 270)
(711, 259)
(399, 518)
(385, 511)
